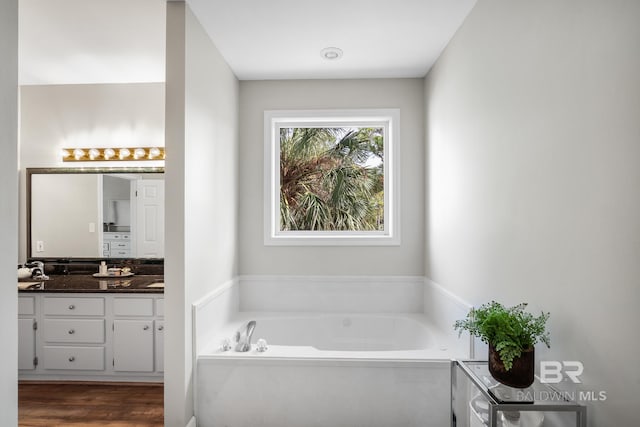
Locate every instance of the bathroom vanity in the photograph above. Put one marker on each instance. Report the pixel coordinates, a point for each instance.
(77, 327)
(74, 325)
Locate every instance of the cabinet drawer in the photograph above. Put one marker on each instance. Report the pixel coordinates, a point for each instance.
(26, 306)
(160, 307)
(120, 245)
(74, 358)
(120, 253)
(116, 236)
(133, 306)
(74, 331)
(73, 306)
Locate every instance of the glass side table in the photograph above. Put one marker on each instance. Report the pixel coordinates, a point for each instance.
(478, 400)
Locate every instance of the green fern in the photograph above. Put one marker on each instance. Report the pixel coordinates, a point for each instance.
(511, 330)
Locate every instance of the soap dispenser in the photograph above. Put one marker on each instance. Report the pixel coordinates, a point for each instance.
(103, 268)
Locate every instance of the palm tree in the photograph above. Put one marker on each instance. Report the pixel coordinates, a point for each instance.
(331, 179)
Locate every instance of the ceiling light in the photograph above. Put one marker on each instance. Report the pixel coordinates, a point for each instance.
(331, 53)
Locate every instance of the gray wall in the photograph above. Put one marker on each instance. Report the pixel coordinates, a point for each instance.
(258, 96)
(9, 211)
(201, 190)
(533, 146)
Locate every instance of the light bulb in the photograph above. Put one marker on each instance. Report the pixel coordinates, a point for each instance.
(124, 153)
(154, 152)
(78, 153)
(138, 153)
(109, 153)
(94, 153)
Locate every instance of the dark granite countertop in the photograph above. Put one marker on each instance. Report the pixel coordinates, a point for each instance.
(81, 283)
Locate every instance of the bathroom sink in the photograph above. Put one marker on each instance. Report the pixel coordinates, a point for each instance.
(156, 285)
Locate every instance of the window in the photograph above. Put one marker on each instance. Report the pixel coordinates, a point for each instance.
(330, 177)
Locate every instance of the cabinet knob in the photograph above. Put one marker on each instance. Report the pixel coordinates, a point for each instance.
(71, 359)
(161, 328)
(71, 307)
(146, 327)
(71, 331)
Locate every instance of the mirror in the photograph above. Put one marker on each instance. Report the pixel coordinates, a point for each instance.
(95, 213)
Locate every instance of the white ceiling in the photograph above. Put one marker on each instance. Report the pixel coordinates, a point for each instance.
(282, 39)
(118, 41)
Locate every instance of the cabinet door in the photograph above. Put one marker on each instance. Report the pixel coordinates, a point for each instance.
(159, 346)
(26, 344)
(133, 345)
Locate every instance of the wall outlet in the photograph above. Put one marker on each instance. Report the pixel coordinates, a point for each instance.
(39, 246)
(92, 227)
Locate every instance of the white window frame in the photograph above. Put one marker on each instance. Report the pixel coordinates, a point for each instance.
(388, 119)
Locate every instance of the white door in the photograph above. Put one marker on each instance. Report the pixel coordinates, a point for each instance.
(133, 345)
(26, 344)
(159, 345)
(149, 231)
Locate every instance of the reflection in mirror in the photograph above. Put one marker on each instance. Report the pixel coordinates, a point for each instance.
(110, 213)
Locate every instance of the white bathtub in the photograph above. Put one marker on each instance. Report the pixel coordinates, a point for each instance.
(328, 369)
(346, 332)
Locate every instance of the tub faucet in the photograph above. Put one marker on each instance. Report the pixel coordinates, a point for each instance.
(243, 337)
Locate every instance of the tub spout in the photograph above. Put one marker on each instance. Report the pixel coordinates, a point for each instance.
(243, 337)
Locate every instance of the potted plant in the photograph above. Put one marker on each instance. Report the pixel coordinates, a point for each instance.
(511, 333)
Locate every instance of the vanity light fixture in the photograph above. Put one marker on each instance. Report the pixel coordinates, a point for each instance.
(112, 154)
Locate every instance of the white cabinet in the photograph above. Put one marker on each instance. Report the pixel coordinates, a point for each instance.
(116, 245)
(159, 344)
(78, 358)
(91, 337)
(70, 306)
(133, 345)
(26, 333)
(133, 334)
(73, 333)
(133, 307)
(26, 306)
(89, 331)
(26, 344)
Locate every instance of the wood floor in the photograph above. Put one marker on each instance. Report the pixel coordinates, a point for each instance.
(90, 404)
